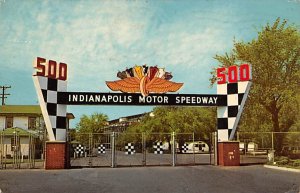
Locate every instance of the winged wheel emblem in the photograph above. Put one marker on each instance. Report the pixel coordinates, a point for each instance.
(144, 80)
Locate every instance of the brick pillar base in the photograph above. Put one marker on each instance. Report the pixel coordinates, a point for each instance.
(56, 155)
(229, 153)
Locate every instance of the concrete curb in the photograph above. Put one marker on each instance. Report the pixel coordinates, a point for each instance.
(282, 168)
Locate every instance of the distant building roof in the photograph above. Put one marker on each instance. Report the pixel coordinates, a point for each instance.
(25, 110)
(127, 118)
(20, 109)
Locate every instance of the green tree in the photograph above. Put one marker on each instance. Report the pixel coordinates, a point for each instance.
(92, 124)
(275, 59)
(178, 119)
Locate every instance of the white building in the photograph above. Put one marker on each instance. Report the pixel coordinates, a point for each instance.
(20, 128)
(21, 116)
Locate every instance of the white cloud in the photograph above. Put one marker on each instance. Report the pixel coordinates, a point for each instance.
(113, 35)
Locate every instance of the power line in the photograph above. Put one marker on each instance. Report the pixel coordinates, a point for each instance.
(4, 95)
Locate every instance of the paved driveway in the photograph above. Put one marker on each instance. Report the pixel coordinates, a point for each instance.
(185, 179)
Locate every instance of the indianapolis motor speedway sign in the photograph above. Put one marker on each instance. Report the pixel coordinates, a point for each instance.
(140, 85)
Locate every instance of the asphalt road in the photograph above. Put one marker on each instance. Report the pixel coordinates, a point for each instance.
(183, 179)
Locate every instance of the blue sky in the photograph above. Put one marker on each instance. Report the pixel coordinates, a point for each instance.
(98, 38)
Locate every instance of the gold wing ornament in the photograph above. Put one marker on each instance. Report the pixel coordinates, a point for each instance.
(159, 85)
(130, 85)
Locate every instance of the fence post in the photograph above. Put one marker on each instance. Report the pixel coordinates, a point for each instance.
(272, 140)
(1, 151)
(90, 148)
(112, 149)
(216, 148)
(18, 151)
(5, 153)
(194, 148)
(15, 150)
(29, 151)
(144, 148)
(32, 151)
(173, 150)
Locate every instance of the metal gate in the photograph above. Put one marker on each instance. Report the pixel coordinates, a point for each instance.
(140, 149)
(90, 150)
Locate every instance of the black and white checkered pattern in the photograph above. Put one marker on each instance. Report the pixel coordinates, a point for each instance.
(129, 147)
(184, 148)
(79, 149)
(101, 149)
(158, 148)
(228, 114)
(56, 112)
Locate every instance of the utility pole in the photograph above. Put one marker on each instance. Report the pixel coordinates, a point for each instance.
(4, 95)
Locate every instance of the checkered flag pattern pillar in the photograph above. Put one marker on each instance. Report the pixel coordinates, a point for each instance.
(129, 149)
(229, 114)
(101, 149)
(79, 149)
(54, 114)
(158, 148)
(184, 148)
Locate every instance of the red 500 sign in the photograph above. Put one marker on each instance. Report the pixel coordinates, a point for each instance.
(50, 69)
(234, 74)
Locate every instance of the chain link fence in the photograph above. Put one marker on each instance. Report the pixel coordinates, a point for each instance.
(20, 151)
(113, 149)
(262, 147)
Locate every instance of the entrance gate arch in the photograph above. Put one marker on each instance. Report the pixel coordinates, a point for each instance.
(51, 86)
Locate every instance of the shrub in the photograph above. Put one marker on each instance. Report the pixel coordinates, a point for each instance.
(296, 163)
(282, 162)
